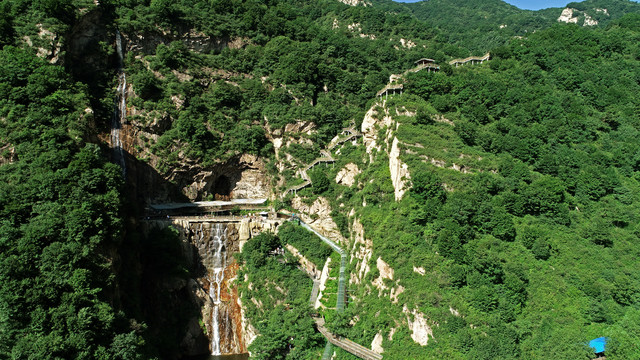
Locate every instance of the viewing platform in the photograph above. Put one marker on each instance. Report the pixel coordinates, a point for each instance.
(390, 89)
(428, 64)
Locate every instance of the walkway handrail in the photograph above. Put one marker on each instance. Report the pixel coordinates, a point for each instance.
(342, 278)
(343, 264)
(342, 141)
(485, 57)
(315, 162)
(346, 344)
(333, 245)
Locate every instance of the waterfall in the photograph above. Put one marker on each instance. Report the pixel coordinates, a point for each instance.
(120, 109)
(218, 235)
(221, 310)
(215, 338)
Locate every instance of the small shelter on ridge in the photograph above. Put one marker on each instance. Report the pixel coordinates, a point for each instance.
(428, 64)
(425, 61)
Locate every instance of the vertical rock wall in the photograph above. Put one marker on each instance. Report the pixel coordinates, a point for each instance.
(201, 239)
(201, 248)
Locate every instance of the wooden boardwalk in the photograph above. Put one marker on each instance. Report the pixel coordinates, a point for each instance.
(472, 59)
(346, 344)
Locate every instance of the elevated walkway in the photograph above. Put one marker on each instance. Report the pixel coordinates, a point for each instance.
(471, 59)
(343, 343)
(325, 158)
(390, 89)
(346, 344)
(351, 134)
(200, 218)
(199, 207)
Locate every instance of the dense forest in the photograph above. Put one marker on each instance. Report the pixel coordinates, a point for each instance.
(62, 219)
(517, 234)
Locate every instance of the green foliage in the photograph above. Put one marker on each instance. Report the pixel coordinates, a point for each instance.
(146, 85)
(319, 181)
(256, 253)
(309, 71)
(278, 308)
(61, 221)
(467, 131)
(532, 242)
(423, 116)
(526, 241)
(6, 24)
(307, 243)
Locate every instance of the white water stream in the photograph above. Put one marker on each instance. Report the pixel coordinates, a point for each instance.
(218, 235)
(120, 109)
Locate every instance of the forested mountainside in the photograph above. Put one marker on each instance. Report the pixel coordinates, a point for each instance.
(489, 211)
(61, 223)
(511, 244)
(488, 24)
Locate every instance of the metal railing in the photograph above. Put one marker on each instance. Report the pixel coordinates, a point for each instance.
(346, 344)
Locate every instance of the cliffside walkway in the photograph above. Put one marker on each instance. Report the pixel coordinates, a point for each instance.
(201, 217)
(343, 343)
(325, 157)
(346, 344)
(395, 85)
(343, 264)
(351, 133)
(472, 59)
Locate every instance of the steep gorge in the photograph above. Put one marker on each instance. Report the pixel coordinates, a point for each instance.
(406, 273)
(217, 325)
(208, 247)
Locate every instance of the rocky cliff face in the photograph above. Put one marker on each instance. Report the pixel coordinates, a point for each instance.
(418, 325)
(209, 249)
(573, 16)
(381, 144)
(242, 176)
(356, 2)
(378, 128)
(295, 133)
(360, 253)
(84, 49)
(398, 169)
(196, 41)
(318, 215)
(347, 176)
(376, 119)
(7, 154)
(46, 43)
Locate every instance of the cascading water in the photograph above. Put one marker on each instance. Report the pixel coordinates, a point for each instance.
(215, 244)
(218, 235)
(120, 109)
